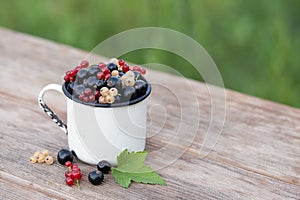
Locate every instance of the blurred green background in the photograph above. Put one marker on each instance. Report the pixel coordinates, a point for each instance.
(255, 44)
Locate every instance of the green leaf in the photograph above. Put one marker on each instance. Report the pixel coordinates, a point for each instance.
(131, 167)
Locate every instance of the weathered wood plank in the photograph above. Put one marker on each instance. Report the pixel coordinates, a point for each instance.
(257, 154)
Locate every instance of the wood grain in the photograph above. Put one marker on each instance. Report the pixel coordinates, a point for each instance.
(257, 155)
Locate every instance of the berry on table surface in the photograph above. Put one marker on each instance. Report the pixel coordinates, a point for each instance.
(75, 167)
(33, 159)
(69, 181)
(104, 166)
(49, 160)
(73, 174)
(36, 154)
(68, 164)
(68, 174)
(96, 177)
(64, 155)
(76, 174)
(45, 152)
(41, 158)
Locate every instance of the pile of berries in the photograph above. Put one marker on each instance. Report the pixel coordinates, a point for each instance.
(109, 83)
(73, 174)
(42, 157)
(96, 177)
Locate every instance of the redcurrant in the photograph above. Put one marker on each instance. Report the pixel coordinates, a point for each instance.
(68, 164)
(107, 76)
(100, 75)
(84, 64)
(101, 66)
(121, 62)
(68, 174)
(87, 92)
(125, 68)
(69, 181)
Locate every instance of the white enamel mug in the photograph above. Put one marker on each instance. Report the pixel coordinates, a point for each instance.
(100, 132)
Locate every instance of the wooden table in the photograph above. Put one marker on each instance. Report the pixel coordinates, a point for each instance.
(257, 155)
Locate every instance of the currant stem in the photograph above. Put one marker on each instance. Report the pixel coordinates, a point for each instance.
(77, 184)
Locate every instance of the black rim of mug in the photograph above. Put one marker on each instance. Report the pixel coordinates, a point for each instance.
(121, 104)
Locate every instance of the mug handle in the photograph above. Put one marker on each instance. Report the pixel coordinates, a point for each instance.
(47, 110)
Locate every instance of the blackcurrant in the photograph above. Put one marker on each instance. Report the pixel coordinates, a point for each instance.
(112, 66)
(91, 82)
(78, 90)
(100, 84)
(117, 99)
(96, 177)
(137, 75)
(71, 87)
(93, 70)
(121, 74)
(140, 87)
(113, 82)
(64, 155)
(81, 75)
(129, 93)
(103, 166)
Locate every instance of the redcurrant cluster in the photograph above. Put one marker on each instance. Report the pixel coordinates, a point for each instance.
(71, 74)
(139, 69)
(73, 174)
(103, 83)
(87, 95)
